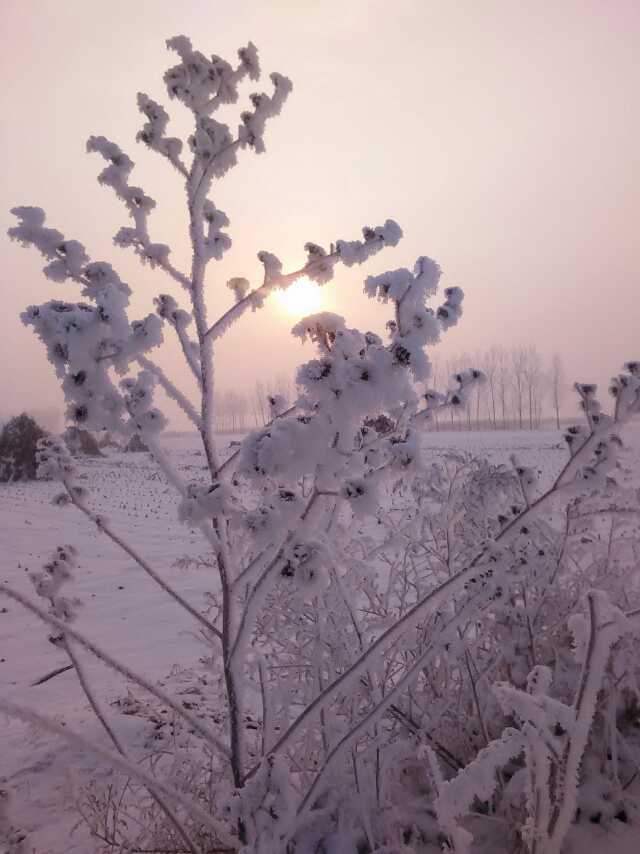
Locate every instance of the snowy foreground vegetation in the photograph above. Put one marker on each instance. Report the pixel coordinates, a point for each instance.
(389, 650)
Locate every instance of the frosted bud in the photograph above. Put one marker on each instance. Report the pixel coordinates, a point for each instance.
(306, 563)
(217, 241)
(361, 495)
(450, 312)
(53, 459)
(277, 404)
(539, 680)
(357, 251)
(49, 581)
(572, 435)
(404, 453)
(165, 306)
(272, 266)
(249, 61)
(433, 398)
(239, 286)
(201, 502)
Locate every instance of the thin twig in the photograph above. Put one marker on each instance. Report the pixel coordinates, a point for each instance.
(104, 526)
(51, 675)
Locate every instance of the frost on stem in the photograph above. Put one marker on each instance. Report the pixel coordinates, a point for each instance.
(153, 131)
(85, 340)
(354, 376)
(138, 204)
(204, 84)
(50, 580)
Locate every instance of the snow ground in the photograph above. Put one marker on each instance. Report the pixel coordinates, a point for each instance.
(123, 609)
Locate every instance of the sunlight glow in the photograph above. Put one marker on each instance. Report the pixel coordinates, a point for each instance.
(300, 298)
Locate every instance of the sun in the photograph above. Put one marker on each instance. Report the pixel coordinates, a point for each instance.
(301, 298)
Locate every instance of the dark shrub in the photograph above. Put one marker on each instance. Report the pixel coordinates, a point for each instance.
(18, 445)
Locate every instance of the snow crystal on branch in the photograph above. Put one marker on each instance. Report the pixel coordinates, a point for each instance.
(466, 380)
(320, 264)
(251, 131)
(138, 398)
(239, 286)
(203, 84)
(361, 496)
(82, 339)
(357, 251)
(415, 326)
(167, 308)
(286, 450)
(48, 583)
(153, 131)
(214, 146)
(205, 502)
(216, 240)
(68, 257)
(307, 564)
(139, 205)
(53, 459)
(272, 267)
(450, 312)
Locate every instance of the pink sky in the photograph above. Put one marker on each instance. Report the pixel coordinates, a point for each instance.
(502, 135)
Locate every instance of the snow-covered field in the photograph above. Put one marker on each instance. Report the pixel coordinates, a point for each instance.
(122, 608)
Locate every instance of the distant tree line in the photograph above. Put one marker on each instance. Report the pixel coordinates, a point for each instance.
(238, 410)
(522, 390)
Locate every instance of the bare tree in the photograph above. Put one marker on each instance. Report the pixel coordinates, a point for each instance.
(452, 367)
(235, 408)
(557, 385)
(503, 378)
(490, 366)
(435, 375)
(532, 381)
(479, 391)
(518, 367)
(259, 403)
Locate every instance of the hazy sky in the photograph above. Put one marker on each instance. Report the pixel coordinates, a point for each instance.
(502, 135)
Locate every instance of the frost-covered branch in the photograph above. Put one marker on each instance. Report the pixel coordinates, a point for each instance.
(172, 391)
(605, 627)
(116, 760)
(97, 710)
(77, 499)
(453, 585)
(107, 659)
(138, 204)
(319, 268)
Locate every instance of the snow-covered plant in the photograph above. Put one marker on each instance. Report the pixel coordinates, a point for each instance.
(257, 521)
(355, 590)
(566, 542)
(508, 620)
